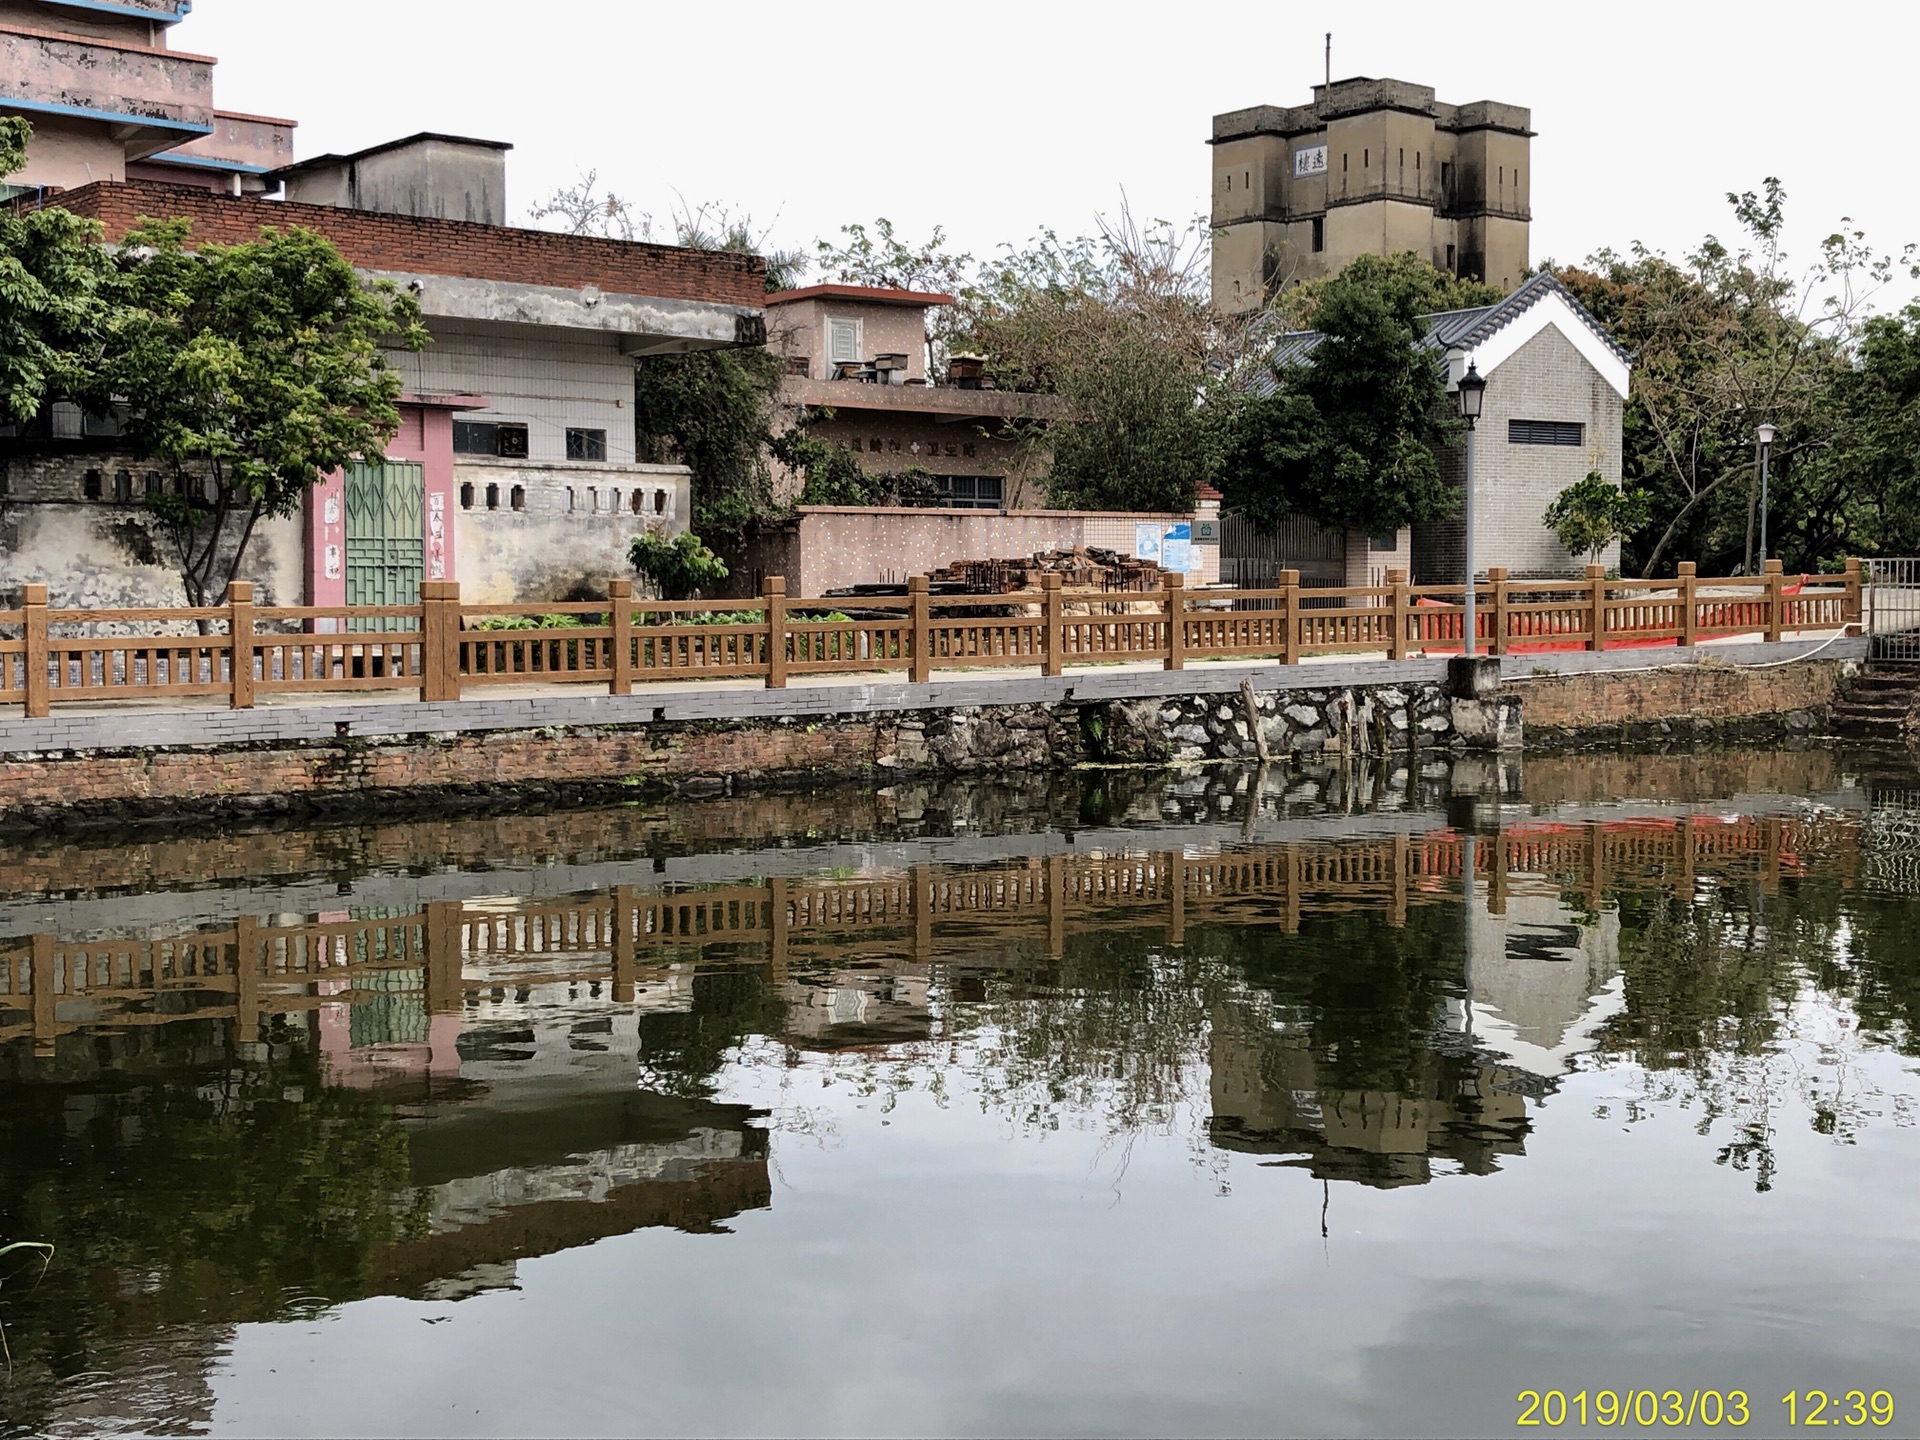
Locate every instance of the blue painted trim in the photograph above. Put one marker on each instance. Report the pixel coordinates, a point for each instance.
(174, 157)
(136, 12)
(114, 117)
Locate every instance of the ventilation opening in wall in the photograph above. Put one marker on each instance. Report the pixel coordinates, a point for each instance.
(639, 502)
(155, 485)
(466, 495)
(572, 502)
(123, 486)
(659, 502)
(519, 497)
(6, 479)
(493, 497)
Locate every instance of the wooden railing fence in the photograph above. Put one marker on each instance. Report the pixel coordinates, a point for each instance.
(441, 647)
(623, 937)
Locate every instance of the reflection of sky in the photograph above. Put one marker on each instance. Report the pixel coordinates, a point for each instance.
(932, 1268)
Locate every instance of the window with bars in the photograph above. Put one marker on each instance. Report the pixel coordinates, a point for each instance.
(586, 444)
(484, 437)
(1546, 432)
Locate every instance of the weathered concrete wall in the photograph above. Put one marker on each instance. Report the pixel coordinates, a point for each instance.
(1661, 705)
(103, 555)
(532, 531)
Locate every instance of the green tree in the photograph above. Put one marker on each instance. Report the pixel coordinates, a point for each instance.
(712, 411)
(833, 476)
(15, 133)
(261, 366)
(681, 567)
(1728, 338)
(1121, 328)
(59, 306)
(1350, 436)
(1429, 289)
(1593, 512)
(1876, 423)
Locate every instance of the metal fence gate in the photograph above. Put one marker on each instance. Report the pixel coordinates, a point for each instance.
(1893, 610)
(386, 537)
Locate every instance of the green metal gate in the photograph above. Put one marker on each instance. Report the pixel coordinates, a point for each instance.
(386, 544)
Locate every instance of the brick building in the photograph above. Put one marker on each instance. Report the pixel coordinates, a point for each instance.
(858, 373)
(1555, 400)
(515, 469)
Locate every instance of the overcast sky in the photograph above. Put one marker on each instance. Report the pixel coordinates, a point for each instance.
(997, 119)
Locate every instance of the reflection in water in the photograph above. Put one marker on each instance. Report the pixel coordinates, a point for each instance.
(265, 1117)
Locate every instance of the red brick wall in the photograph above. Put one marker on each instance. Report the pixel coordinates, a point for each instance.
(440, 247)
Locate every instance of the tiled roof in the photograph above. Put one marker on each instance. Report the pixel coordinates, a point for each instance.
(1447, 330)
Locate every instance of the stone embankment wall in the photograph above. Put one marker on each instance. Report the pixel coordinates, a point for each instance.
(451, 757)
(716, 757)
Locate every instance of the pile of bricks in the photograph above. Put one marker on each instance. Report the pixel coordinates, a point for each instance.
(1081, 568)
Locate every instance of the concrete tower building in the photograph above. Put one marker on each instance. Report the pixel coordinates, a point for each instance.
(1370, 167)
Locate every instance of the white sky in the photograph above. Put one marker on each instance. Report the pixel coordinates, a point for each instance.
(995, 119)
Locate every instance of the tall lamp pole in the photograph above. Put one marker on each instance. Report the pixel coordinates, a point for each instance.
(1471, 393)
(1765, 435)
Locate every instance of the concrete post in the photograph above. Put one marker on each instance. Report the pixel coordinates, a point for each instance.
(920, 606)
(240, 638)
(1174, 602)
(1689, 604)
(1596, 607)
(1287, 625)
(620, 619)
(1776, 601)
(775, 600)
(1053, 616)
(1497, 577)
(33, 602)
(1398, 603)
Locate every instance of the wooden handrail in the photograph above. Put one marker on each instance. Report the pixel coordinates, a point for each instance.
(243, 650)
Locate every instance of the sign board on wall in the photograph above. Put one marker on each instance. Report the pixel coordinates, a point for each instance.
(1168, 546)
(1309, 160)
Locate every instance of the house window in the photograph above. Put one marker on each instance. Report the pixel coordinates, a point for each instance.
(843, 342)
(483, 437)
(123, 486)
(801, 366)
(1451, 267)
(1319, 234)
(972, 492)
(90, 486)
(586, 444)
(1384, 544)
(1546, 432)
(154, 484)
(1446, 174)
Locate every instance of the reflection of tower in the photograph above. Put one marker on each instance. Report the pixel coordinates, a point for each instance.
(1268, 1099)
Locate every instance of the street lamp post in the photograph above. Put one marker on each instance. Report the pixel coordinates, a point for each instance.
(1765, 435)
(1471, 393)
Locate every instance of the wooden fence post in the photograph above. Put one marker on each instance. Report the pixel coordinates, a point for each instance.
(1174, 599)
(440, 640)
(1053, 611)
(240, 640)
(624, 966)
(1288, 627)
(1689, 604)
(1597, 607)
(33, 601)
(445, 968)
(1397, 636)
(1776, 602)
(775, 599)
(1497, 578)
(246, 981)
(920, 611)
(1850, 606)
(620, 618)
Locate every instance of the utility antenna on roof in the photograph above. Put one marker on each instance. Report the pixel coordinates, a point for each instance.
(1329, 59)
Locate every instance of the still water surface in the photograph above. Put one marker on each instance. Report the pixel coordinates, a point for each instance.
(1254, 1104)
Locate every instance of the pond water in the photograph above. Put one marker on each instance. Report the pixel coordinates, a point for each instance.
(1342, 1103)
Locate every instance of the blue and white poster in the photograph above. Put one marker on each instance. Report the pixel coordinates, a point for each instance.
(1176, 550)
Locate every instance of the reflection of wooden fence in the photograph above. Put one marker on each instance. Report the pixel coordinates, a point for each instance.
(253, 970)
(440, 647)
